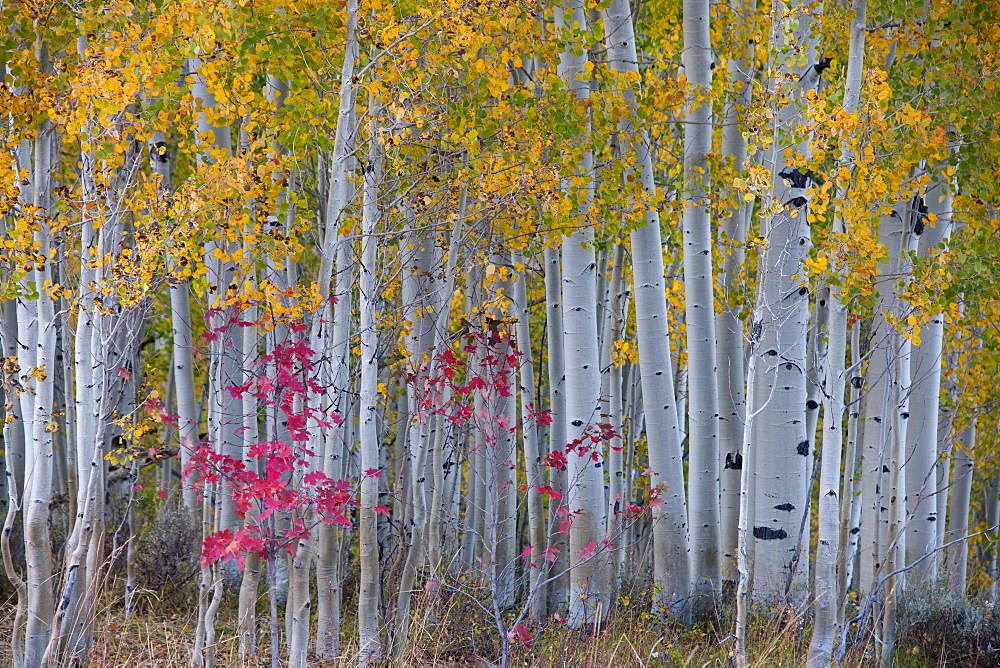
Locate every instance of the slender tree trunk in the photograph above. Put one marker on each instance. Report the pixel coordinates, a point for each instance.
(703, 394)
(895, 542)
(38, 337)
(957, 556)
(301, 605)
(943, 471)
(555, 360)
(188, 418)
(529, 439)
(826, 593)
(368, 594)
(585, 496)
(744, 549)
(879, 410)
(611, 413)
(17, 640)
(188, 421)
(924, 409)
(336, 342)
(850, 506)
(783, 458)
(331, 539)
(729, 329)
(670, 533)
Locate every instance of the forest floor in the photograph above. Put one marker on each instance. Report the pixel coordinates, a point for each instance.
(159, 638)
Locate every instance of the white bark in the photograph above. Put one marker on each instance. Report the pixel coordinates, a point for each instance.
(555, 361)
(826, 593)
(418, 309)
(670, 534)
(328, 572)
(36, 328)
(529, 439)
(957, 556)
(336, 343)
(744, 546)
(20, 586)
(943, 470)
(183, 365)
(368, 593)
(703, 397)
(615, 313)
(850, 501)
(729, 329)
(782, 472)
(895, 538)
(924, 409)
(579, 300)
(879, 411)
(188, 422)
(217, 140)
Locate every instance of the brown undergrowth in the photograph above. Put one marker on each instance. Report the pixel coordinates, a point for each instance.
(449, 632)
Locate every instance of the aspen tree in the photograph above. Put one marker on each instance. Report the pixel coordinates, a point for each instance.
(418, 307)
(826, 592)
(729, 330)
(957, 556)
(334, 338)
(215, 142)
(611, 412)
(439, 313)
(703, 397)
(782, 457)
(88, 374)
(924, 405)
(670, 533)
(368, 596)
(555, 366)
(850, 489)
(529, 439)
(329, 576)
(188, 419)
(36, 331)
(585, 494)
(883, 395)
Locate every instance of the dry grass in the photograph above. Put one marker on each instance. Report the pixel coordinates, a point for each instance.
(453, 635)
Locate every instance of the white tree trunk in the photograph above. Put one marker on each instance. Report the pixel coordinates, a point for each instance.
(334, 339)
(418, 308)
(217, 140)
(850, 506)
(615, 314)
(783, 459)
(826, 593)
(188, 418)
(924, 409)
(670, 532)
(368, 593)
(957, 556)
(879, 411)
(36, 331)
(555, 360)
(583, 383)
(703, 395)
(529, 439)
(729, 329)
(331, 539)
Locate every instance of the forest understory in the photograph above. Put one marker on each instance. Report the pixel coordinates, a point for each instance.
(940, 633)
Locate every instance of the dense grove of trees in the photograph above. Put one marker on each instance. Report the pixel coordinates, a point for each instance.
(505, 300)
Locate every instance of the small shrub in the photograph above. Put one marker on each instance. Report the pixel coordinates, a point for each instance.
(950, 628)
(167, 560)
